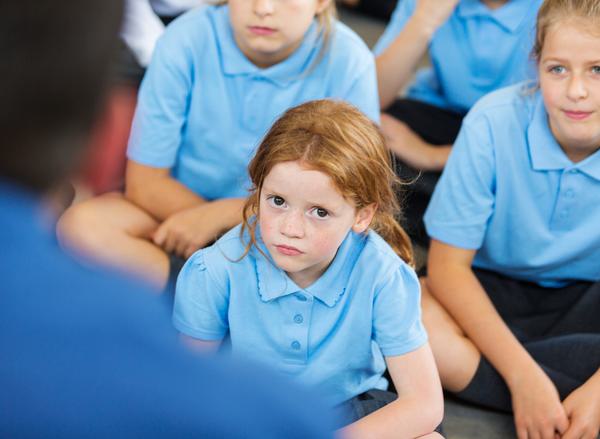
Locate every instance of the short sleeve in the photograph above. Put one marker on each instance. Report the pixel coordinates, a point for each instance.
(363, 92)
(201, 306)
(397, 325)
(464, 198)
(402, 13)
(163, 102)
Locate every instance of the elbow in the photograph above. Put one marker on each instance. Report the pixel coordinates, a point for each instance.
(437, 411)
(431, 414)
(138, 182)
(134, 192)
(432, 406)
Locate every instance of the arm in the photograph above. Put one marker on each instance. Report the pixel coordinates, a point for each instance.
(201, 346)
(188, 221)
(155, 191)
(396, 64)
(419, 407)
(451, 280)
(583, 409)
(411, 148)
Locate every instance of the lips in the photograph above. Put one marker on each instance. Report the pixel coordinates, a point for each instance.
(288, 250)
(577, 115)
(261, 30)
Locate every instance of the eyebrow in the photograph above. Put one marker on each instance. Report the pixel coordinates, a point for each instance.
(564, 61)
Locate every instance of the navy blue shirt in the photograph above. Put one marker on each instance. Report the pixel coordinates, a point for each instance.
(84, 353)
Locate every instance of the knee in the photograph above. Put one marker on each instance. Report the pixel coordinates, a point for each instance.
(80, 226)
(434, 315)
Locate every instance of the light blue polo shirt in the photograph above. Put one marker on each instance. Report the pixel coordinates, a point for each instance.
(331, 335)
(476, 51)
(510, 192)
(203, 107)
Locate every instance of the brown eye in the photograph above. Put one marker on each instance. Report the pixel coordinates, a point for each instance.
(320, 213)
(276, 201)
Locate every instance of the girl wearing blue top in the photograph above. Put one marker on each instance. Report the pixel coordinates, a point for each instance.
(308, 284)
(475, 47)
(514, 264)
(218, 79)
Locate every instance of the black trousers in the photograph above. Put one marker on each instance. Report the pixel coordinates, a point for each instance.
(436, 126)
(559, 327)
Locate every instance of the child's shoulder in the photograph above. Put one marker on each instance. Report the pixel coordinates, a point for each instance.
(516, 100)
(346, 44)
(224, 255)
(378, 257)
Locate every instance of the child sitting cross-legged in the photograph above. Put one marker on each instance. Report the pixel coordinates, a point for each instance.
(317, 282)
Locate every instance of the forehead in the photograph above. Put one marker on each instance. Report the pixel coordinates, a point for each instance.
(572, 39)
(293, 180)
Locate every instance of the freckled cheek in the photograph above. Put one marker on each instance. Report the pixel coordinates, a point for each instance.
(324, 244)
(268, 227)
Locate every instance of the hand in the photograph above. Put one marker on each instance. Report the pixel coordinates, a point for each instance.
(433, 13)
(583, 409)
(189, 230)
(410, 148)
(537, 409)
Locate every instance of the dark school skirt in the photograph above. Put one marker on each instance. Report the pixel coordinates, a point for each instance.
(559, 327)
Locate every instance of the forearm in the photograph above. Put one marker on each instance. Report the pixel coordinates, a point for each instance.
(459, 291)
(161, 195)
(407, 417)
(396, 65)
(594, 382)
(230, 211)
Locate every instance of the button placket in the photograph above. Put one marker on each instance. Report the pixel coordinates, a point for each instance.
(565, 202)
(298, 332)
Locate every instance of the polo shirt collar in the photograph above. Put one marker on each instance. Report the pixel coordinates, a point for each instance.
(274, 283)
(235, 63)
(545, 152)
(510, 15)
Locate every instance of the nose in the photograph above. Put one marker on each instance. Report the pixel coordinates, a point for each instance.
(577, 88)
(262, 8)
(292, 224)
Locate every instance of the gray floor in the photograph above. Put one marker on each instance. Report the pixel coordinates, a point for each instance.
(461, 421)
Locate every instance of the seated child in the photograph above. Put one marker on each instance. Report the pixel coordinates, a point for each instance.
(219, 77)
(514, 263)
(316, 282)
(475, 47)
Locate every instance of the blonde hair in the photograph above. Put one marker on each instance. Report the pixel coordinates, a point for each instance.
(325, 25)
(554, 11)
(337, 139)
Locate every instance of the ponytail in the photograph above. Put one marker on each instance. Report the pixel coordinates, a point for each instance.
(388, 228)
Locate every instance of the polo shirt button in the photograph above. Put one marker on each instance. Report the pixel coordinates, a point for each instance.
(569, 193)
(298, 318)
(296, 345)
(301, 297)
(564, 214)
(572, 171)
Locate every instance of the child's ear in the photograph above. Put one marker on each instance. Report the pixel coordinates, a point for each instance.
(364, 217)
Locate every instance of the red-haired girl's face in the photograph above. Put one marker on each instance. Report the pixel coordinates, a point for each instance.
(569, 72)
(304, 219)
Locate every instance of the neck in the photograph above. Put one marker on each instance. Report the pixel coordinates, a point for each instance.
(494, 4)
